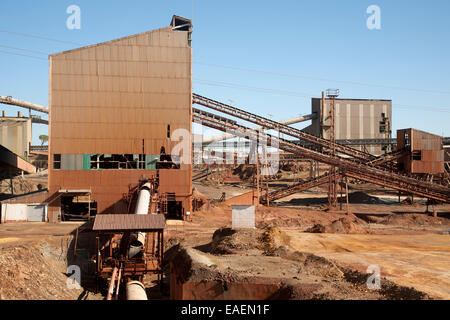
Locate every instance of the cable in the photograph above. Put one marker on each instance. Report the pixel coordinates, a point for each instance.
(319, 79)
(39, 37)
(233, 85)
(32, 51)
(254, 70)
(258, 89)
(303, 95)
(23, 55)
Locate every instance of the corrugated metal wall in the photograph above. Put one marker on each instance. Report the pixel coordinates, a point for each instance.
(119, 97)
(112, 97)
(354, 119)
(428, 146)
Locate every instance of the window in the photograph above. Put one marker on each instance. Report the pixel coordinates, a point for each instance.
(118, 161)
(384, 124)
(168, 131)
(56, 161)
(417, 155)
(166, 161)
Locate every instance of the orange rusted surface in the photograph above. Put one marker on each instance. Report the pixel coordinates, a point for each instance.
(426, 152)
(243, 199)
(119, 97)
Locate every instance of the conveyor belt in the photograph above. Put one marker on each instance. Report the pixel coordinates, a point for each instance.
(270, 124)
(351, 167)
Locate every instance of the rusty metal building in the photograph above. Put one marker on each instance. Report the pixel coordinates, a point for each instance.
(354, 119)
(113, 107)
(426, 152)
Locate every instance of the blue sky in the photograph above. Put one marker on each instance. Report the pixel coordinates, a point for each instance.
(270, 57)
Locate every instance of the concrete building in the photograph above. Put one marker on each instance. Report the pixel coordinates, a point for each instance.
(114, 108)
(354, 119)
(15, 134)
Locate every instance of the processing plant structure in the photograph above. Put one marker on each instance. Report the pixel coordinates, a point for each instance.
(113, 113)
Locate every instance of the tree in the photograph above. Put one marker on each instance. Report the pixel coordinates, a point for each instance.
(43, 138)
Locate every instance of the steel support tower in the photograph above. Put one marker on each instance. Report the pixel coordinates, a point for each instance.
(332, 94)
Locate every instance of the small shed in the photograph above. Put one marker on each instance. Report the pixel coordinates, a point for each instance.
(113, 240)
(426, 152)
(243, 217)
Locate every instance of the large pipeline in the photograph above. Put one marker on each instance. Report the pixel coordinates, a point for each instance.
(136, 291)
(24, 104)
(111, 284)
(137, 239)
(118, 283)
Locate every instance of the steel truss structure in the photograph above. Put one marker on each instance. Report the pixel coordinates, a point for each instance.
(355, 166)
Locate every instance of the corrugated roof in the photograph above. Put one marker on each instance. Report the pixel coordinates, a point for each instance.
(119, 222)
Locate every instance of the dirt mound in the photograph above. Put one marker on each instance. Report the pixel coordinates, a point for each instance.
(291, 167)
(389, 290)
(414, 219)
(299, 218)
(309, 263)
(272, 238)
(228, 241)
(199, 201)
(20, 186)
(362, 197)
(286, 274)
(317, 228)
(343, 226)
(198, 195)
(37, 271)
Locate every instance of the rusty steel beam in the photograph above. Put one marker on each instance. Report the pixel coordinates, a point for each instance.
(285, 129)
(305, 185)
(285, 122)
(298, 187)
(39, 120)
(111, 284)
(388, 157)
(118, 284)
(356, 168)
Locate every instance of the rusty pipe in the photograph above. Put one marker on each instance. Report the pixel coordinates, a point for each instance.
(118, 283)
(142, 206)
(111, 284)
(136, 291)
(143, 200)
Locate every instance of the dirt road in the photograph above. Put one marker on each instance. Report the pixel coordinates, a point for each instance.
(420, 261)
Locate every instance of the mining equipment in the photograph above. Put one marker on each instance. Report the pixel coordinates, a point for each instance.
(131, 245)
